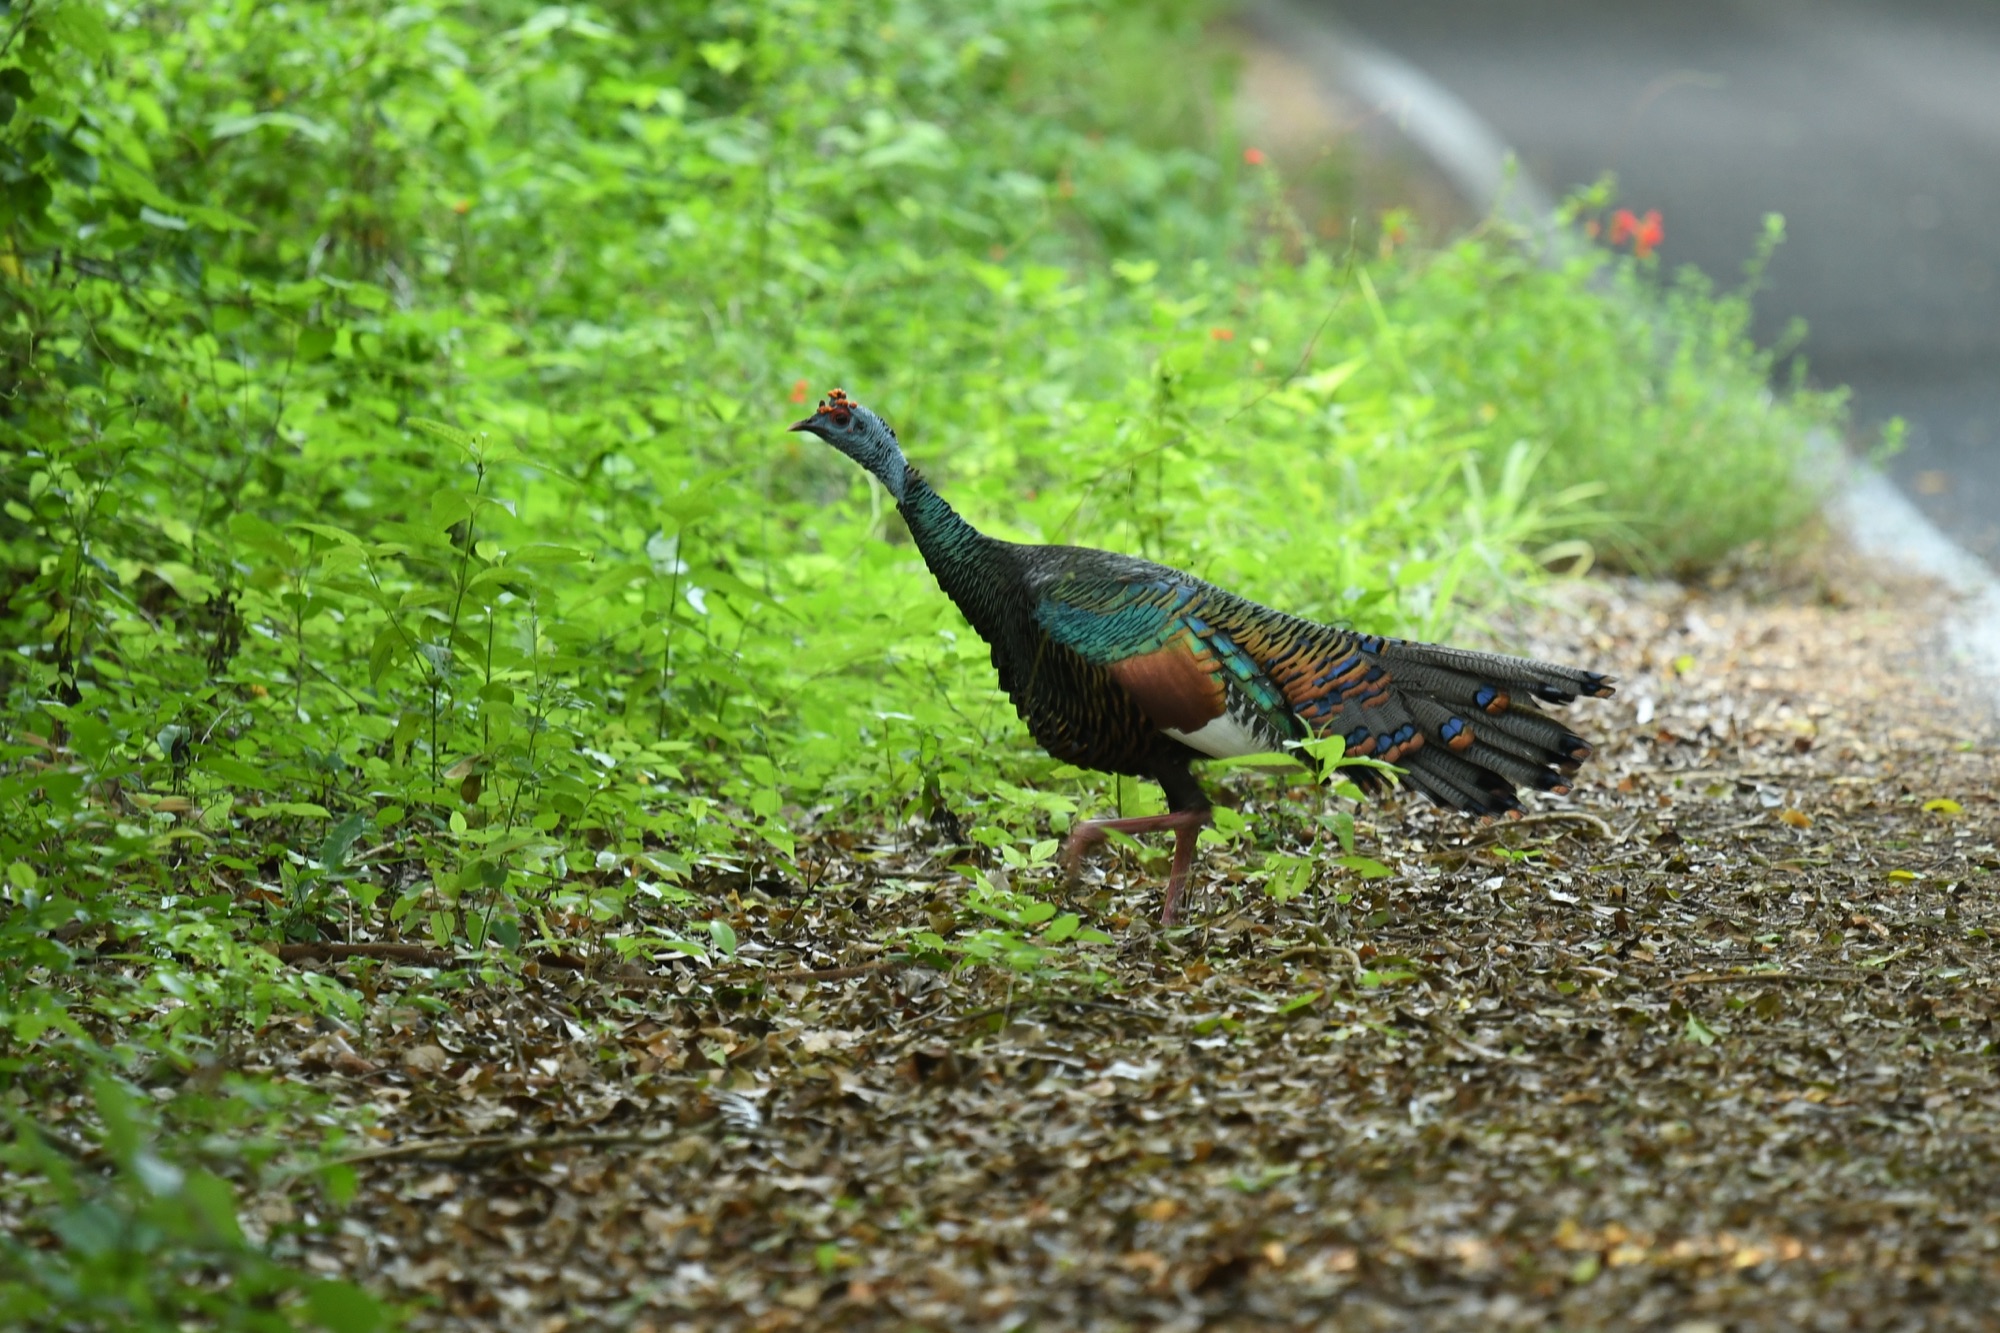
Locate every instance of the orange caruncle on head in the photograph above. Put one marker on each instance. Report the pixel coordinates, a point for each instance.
(837, 405)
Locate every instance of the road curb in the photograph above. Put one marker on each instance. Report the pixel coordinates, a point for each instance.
(1880, 522)
(1866, 508)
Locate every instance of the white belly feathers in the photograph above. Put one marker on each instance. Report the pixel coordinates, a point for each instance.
(1223, 738)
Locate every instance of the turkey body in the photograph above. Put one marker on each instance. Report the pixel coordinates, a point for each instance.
(1127, 666)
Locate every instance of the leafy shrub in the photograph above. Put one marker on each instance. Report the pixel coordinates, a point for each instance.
(392, 460)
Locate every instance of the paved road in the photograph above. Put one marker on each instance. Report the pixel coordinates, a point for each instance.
(1873, 127)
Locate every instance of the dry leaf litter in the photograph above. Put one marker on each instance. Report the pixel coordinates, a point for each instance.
(1709, 1044)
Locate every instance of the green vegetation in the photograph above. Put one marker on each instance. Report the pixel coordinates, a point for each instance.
(400, 540)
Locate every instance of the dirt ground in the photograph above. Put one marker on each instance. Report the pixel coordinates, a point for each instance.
(1708, 1045)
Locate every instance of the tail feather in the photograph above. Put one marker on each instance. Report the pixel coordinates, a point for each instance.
(1520, 772)
(1535, 738)
(1479, 716)
(1447, 794)
(1547, 681)
(1466, 786)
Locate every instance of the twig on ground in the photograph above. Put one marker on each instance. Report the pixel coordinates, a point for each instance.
(1588, 820)
(423, 955)
(1321, 951)
(1723, 978)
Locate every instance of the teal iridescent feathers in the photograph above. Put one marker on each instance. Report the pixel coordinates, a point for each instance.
(1106, 621)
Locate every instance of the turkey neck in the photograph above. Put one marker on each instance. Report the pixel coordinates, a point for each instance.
(967, 563)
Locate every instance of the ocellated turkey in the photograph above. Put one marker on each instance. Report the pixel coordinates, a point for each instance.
(1131, 667)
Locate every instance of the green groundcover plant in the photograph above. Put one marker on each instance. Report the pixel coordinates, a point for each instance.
(392, 453)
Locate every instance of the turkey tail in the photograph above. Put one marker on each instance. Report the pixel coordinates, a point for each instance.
(1475, 731)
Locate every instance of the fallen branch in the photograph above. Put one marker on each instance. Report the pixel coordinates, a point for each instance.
(565, 961)
(1723, 978)
(1298, 951)
(402, 953)
(420, 954)
(1590, 821)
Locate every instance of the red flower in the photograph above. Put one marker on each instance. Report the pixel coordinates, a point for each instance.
(1645, 233)
(1254, 156)
(1650, 234)
(799, 391)
(1222, 335)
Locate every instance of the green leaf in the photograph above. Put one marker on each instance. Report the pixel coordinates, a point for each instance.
(262, 535)
(724, 936)
(1298, 1002)
(382, 652)
(444, 431)
(450, 508)
(340, 536)
(724, 58)
(1262, 1179)
(229, 127)
(217, 219)
(79, 25)
(340, 840)
(499, 576)
(543, 553)
(1288, 877)
(236, 772)
(214, 1202)
(680, 946)
(340, 1181)
(342, 1307)
(315, 343)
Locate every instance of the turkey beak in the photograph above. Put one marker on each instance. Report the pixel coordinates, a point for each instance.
(807, 424)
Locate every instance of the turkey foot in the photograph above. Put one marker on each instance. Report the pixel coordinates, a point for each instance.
(1186, 825)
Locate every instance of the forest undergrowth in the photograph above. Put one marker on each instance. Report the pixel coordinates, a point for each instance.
(404, 561)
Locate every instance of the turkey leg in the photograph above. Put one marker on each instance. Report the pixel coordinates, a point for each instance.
(1186, 825)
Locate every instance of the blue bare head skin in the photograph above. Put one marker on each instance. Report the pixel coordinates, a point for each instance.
(862, 436)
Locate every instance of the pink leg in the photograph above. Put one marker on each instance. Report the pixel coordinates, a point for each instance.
(1186, 825)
